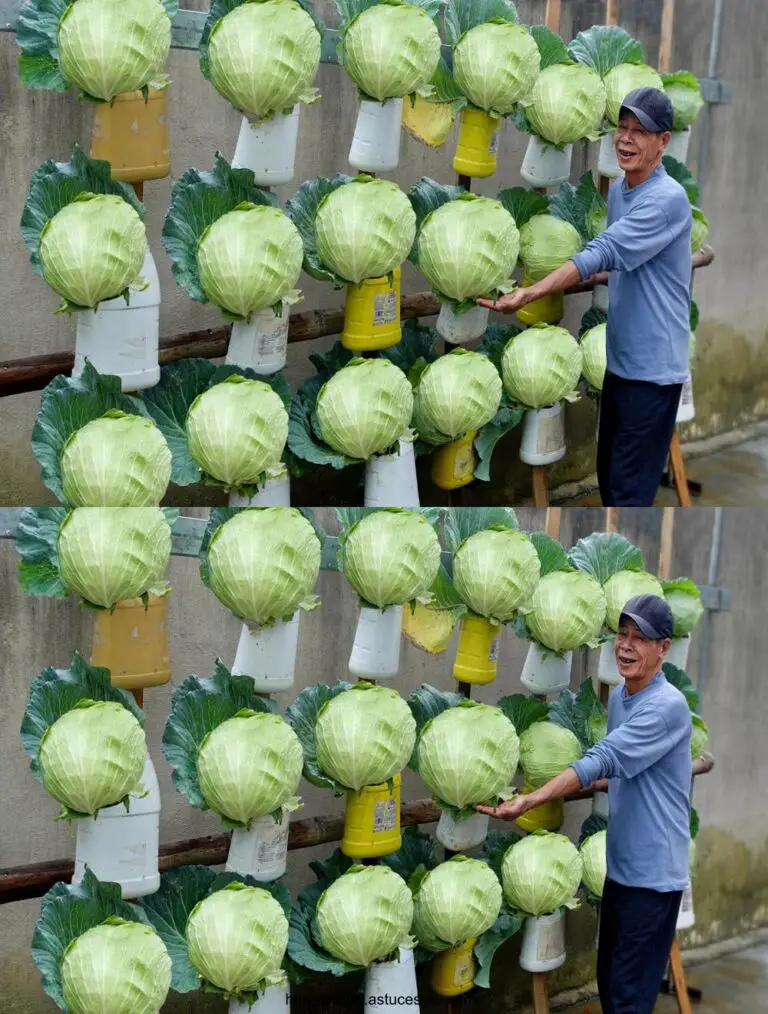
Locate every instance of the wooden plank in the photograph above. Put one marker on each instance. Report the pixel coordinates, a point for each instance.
(553, 521)
(540, 488)
(611, 12)
(552, 15)
(665, 36)
(540, 998)
(677, 467)
(667, 539)
(678, 979)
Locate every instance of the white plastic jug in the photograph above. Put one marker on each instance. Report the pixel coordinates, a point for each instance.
(607, 670)
(261, 344)
(376, 142)
(268, 655)
(543, 946)
(458, 328)
(543, 439)
(274, 1000)
(390, 479)
(376, 648)
(262, 852)
(545, 166)
(545, 673)
(460, 835)
(391, 985)
(268, 147)
(274, 493)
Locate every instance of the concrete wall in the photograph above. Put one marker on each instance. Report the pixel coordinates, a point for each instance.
(732, 377)
(731, 886)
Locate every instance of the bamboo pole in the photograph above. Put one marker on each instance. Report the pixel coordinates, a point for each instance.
(665, 36)
(667, 538)
(553, 521)
(552, 15)
(612, 12)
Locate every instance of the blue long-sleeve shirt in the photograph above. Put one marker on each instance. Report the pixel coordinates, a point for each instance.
(647, 251)
(647, 758)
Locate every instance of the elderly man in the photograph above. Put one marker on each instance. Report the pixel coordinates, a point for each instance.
(646, 251)
(646, 757)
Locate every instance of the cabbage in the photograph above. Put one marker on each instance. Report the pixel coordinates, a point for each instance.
(262, 57)
(546, 749)
(92, 756)
(594, 353)
(391, 557)
(541, 366)
(237, 430)
(391, 50)
(699, 736)
(364, 736)
(566, 104)
(365, 915)
(364, 229)
(237, 938)
(495, 572)
(455, 902)
(567, 611)
(684, 599)
(699, 229)
(365, 408)
(622, 587)
(541, 873)
(684, 93)
(457, 394)
(263, 563)
(121, 967)
(546, 242)
(595, 864)
(249, 766)
(468, 754)
(118, 460)
(622, 80)
(495, 65)
(249, 259)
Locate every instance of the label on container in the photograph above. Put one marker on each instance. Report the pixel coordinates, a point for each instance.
(272, 846)
(686, 396)
(493, 147)
(384, 816)
(551, 940)
(462, 462)
(686, 904)
(385, 308)
(493, 654)
(464, 969)
(550, 434)
(270, 343)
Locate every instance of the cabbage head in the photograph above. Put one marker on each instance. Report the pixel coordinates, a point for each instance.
(92, 756)
(263, 57)
(237, 938)
(468, 754)
(546, 243)
(237, 430)
(622, 80)
(622, 587)
(684, 599)
(120, 966)
(567, 611)
(365, 408)
(458, 900)
(541, 873)
(457, 394)
(263, 563)
(249, 259)
(365, 915)
(593, 857)
(249, 766)
(699, 736)
(391, 557)
(118, 460)
(594, 354)
(541, 366)
(364, 736)
(684, 93)
(110, 47)
(495, 65)
(391, 50)
(567, 103)
(496, 572)
(112, 554)
(699, 229)
(365, 229)
(93, 249)
(546, 749)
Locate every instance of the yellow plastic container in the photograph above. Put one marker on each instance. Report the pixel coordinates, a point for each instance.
(548, 310)
(548, 817)
(134, 136)
(453, 464)
(372, 821)
(453, 971)
(372, 314)
(477, 651)
(477, 143)
(134, 643)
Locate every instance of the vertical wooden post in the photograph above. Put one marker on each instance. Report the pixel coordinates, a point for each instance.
(552, 15)
(678, 979)
(553, 521)
(665, 36)
(665, 550)
(540, 998)
(612, 12)
(540, 488)
(612, 519)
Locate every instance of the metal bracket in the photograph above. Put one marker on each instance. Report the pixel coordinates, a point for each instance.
(716, 92)
(715, 599)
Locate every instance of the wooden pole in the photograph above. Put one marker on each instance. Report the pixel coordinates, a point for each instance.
(552, 15)
(540, 488)
(667, 538)
(678, 979)
(540, 998)
(612, 519)
(612, 12)
(665, 36)
(553, 521)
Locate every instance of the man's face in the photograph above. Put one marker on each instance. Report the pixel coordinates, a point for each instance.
(638, 657)
(638, 150)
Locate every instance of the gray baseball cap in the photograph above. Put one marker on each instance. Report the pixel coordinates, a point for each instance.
(652, 107)
(652, 616)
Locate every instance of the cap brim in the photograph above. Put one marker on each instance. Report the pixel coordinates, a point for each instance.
(644, 118)
(645, 628)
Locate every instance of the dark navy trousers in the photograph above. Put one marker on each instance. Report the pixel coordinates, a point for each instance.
(637, 927)
(637, 420)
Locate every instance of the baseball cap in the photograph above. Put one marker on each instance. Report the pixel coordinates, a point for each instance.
(652, 107)
(652, 616)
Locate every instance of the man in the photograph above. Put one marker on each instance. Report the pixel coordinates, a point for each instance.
(646, 251)
(646, 757)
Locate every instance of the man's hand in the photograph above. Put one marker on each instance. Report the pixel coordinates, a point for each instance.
(510, 810)
(512, 301)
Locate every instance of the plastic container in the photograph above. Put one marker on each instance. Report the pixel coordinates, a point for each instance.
(477, 144)
(122, 845)
(274, 493)
(686, 917)
(679, 651)
(607, 670)
(548, 310)
(391, 985)
(686, 411)
(262, 852)
(376, 142)
(545, 673)
(453, 971)
(268, 148)
(121, 338)
(678, 145)
(547, 817)
(453, 464)
(545, 166)
(134, 643)
(372, 314)
(460, 835)
(274, 1000)
(600, 806)
(477, 651)
(372, 821)
(607, 163)
(543, 945)
(458, 328)
(268, 655)
(600, 298)
(262, 345)
(543, 439)
(391, 480)
(376, 648)
(133, 136)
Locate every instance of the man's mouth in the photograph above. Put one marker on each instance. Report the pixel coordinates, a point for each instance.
(625, 153)
(626, 660)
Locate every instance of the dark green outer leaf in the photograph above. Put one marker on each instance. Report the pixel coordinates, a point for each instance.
(37, 34)
(461, 522)
(461, 15)
(427, 195)
(302, 210)
(594, 204)
(604, 47)
(552, 49)
(588, 708)
(603, 554)
(37, 537)
(523, 711)
(572, 204)
(302, 717)
(496, 846)
(552, 556)
(418, 849)
(682, 681)
(695, 823)
(419, 342)
(506, 419)
(426, 703)
(592, 318)
(330, 362)
(694, 315)
(302, 947)
(591, 826)
(505, 927)
(41, 72)
(562, 713)
(444, 87)
(330, 869)
(495, 340)
(523, 204)
(217, 517)
(680, 172)
(303, 439)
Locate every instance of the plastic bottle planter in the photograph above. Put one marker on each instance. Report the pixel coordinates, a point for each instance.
(600, 298)
(686, 918)
(391, 985)
(543, 945)
(134, 643)
(376, 143)
(477, 144)
(390, 479)
(268, 148)
(458, 328)
(261, 345)
(122, 846)
(545, 673)
(547, 817)
(121, 339)
(678, 145)
(607, 670)
(600, 805)
(607, 163)
(274, 493)
(543, 439)
(262, 852)
(453, 464)
(460, 835)
(477, 651)
(372, 821)
(679, 651)
(548, 310)
(376, 648)
(545, 165)
(133, 136)
(274, 1000)
(268, 655)
(686, 411)
(453, 971)
(372, 314)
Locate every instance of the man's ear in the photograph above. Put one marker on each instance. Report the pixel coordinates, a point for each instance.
(666, 644)
(666, 137)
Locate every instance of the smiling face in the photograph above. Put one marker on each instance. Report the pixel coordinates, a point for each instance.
(638, 151)
(638, 658)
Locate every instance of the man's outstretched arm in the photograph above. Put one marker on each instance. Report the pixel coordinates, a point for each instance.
(560, 786)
